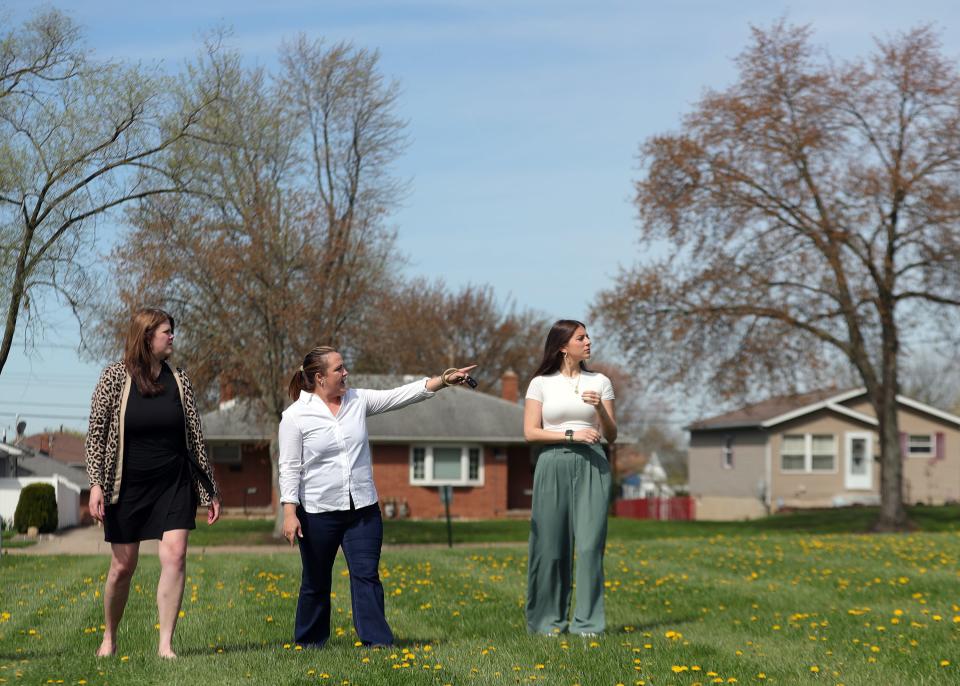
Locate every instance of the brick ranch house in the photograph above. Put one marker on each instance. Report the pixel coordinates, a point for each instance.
(470, 440)
(818, 449)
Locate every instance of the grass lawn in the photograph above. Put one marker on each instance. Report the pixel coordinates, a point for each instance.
(837, 520)
(757, 608)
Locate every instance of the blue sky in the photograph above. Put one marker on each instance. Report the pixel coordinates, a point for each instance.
(525, 118)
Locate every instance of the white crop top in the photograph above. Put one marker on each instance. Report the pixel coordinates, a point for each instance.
(563, 407)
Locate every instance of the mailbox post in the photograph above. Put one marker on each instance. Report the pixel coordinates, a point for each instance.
(446, 497)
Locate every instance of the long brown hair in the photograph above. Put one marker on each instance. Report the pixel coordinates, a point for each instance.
(560, 334)
(137, 355)
(304, 379)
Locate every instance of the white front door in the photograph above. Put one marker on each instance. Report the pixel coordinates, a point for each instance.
(859, 472)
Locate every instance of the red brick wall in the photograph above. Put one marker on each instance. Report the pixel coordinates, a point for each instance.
(253, 471)
(520, 476)
(391, 472)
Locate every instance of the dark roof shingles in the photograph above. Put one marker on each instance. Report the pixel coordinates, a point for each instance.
(455, 413)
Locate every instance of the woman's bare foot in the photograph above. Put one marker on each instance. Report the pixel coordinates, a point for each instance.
(167, 653)
(107, 649)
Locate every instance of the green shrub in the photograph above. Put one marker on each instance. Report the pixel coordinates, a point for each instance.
(37, 507)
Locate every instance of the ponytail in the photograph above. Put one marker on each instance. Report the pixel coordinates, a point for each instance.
(304, 379)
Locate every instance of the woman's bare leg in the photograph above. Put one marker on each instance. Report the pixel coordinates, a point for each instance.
(123, 563)
(173, 568)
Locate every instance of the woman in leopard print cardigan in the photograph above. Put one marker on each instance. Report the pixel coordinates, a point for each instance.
(148, 468)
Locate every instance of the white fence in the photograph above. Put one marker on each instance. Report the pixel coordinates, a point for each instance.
(68, 498)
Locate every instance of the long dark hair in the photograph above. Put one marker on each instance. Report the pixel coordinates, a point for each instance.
(137, 353)
(560, 334)
(304, 379)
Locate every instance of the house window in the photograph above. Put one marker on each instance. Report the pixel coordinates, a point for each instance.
(726, 453)
(920, 445)
(793, 453)
(473, 470)
(228, 453)
(808, 453)
(419, 468)
(440, 465)
(823, 453)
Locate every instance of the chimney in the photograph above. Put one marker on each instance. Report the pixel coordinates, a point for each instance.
(510, 386)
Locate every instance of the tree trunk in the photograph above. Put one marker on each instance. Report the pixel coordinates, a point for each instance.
(17, 290)
(893, 515)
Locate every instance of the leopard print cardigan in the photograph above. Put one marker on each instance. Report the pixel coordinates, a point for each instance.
(103, 450)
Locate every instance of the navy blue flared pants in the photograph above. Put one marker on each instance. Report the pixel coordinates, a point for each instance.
(360, 534)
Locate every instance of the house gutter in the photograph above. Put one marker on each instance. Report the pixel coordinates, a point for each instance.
(768, 455)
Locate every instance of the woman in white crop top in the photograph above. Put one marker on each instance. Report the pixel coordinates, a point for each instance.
(568, 409)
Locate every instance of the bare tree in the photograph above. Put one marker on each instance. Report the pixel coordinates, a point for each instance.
(809, 212)
(78, 137)
(933, 377)
(281, 244)
(645, 420)
(421, 324)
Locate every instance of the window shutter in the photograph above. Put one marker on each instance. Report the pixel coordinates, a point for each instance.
(904, 445)
(940, 446)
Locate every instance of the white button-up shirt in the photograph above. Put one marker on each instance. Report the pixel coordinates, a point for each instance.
(325, 458)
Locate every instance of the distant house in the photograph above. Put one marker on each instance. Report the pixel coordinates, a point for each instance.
(63, 446)
(19, 466)
(467, 439)
(650, 482)
(10, 455)
(817, 449)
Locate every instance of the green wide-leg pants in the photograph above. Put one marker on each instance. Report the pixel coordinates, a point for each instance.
(571, 495)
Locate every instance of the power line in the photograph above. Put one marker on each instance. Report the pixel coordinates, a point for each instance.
(58, 346)
(17, 403)
(50, 376)
(33, 415)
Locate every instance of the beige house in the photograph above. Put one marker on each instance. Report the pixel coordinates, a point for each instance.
(818, 449)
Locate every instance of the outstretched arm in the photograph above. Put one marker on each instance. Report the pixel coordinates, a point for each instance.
(378, 402)
(454, 378)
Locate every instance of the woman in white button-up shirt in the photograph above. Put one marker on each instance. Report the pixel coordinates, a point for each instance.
(327, 492)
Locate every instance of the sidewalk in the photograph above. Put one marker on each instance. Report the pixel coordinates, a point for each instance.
(88, 540)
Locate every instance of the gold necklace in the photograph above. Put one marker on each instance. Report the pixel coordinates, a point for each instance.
(576, 388)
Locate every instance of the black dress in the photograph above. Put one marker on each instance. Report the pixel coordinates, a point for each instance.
(156, 489)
